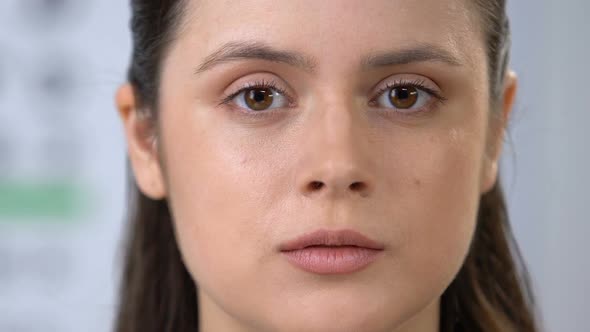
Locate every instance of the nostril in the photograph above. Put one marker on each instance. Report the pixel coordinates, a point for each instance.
(314, 185)
(358, 186)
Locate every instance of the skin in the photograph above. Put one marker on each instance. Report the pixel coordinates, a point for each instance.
(239, 186)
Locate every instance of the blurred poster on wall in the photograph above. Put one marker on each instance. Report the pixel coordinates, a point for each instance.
(61, 162)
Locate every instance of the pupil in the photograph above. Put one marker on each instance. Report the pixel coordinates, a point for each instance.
(403, 93)
(259, 95)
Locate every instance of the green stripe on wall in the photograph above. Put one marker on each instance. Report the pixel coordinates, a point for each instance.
(63, 200)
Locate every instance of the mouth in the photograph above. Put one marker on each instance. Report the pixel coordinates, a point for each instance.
(332, 252)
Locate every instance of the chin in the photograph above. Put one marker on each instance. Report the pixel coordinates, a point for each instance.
(340, 323)
(342, 313)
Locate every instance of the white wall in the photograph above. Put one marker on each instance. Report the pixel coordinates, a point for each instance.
(549, 163)
(59, 68)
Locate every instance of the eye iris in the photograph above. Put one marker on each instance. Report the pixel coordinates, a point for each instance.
(404, 97)
(259, 99)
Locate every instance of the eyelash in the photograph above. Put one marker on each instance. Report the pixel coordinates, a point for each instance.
(272, 85)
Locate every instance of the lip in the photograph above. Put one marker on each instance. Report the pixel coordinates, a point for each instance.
(332, 252)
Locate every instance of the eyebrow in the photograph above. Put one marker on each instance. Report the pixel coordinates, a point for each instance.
(419, 53)
(250, 50)
(235, 51)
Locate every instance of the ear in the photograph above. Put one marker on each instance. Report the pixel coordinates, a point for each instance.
(141, 145)
(497, 128)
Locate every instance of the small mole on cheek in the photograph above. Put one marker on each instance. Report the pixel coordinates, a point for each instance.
(417, 182)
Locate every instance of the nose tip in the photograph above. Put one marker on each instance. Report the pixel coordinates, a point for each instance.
(342, 171)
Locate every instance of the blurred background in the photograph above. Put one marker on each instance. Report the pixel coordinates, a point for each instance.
(62, 160)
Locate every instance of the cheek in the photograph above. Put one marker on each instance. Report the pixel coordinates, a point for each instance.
(437, 207)
(222, 193)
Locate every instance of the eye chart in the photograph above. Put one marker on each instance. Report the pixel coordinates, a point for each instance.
(62, 162)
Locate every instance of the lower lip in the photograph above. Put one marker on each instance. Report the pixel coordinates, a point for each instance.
(332, 260)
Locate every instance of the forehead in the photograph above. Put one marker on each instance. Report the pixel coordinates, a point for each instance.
(336, 31)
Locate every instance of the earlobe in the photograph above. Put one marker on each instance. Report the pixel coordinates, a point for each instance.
(140, 145)
(490, 176)
(509, 95)
(498, 125)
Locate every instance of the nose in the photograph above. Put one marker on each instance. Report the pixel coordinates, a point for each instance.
(335, 156)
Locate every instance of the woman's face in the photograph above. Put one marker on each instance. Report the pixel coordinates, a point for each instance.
(370, 116)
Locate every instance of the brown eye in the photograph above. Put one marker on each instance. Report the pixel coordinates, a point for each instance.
(404, 97)
(259, 99)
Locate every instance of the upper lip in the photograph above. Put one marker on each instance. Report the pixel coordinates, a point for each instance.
(324, 237)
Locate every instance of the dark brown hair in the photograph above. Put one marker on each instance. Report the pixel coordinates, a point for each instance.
(490, 293)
